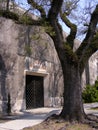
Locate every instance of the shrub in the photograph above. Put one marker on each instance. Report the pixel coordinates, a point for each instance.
(8, 14)
(90, 93)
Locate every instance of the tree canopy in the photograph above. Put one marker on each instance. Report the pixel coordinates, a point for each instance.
(73, 62)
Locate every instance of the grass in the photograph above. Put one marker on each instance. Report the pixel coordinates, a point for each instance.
(55, 125)
(94, 108)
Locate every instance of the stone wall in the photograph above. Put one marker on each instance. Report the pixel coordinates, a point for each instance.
(29, 50)
(18, 42)
(90, 74)
(93, 68)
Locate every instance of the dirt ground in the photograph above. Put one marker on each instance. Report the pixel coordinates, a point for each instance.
(60, 126)
(55, 124)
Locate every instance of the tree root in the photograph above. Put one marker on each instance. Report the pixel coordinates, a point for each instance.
(90, 119)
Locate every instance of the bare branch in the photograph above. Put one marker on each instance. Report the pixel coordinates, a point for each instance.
(90, 34)
(55, 9)
(52, 17)
(69, 6)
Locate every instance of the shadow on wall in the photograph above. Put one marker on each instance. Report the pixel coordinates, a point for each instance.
(3, 91)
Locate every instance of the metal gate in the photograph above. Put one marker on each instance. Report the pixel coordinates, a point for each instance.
(34, 92)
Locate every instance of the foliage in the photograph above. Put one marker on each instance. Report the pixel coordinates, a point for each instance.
(47, 28)
(9, 14)
(36, 36)
(28, 50)
(25, 19)
(90, 93)
(70, 54)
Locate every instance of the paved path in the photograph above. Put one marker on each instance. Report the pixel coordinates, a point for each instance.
(36, 116)
(28, 118)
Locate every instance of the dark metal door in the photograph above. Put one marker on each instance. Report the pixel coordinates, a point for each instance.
(34, 92)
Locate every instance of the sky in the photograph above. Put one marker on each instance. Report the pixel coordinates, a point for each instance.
(82, 4)
(22, 3)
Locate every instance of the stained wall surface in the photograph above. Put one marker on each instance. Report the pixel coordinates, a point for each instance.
(28, 50)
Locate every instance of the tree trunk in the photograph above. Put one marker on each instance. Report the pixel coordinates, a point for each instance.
(73, 105)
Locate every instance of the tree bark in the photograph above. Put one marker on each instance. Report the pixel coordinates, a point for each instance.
(73, 63)
(73, 105)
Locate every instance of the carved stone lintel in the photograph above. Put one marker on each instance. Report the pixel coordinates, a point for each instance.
(31, 64)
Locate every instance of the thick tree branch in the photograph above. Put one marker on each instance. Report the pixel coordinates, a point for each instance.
(90, 34)
(55, 9)
(38, 7)
(52, 18)
(64, 50)
(73, 27)
(30, 21)
(57, 37)
(36, 22)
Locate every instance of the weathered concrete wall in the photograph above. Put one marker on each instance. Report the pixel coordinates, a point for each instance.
(8, 52)
(20, 43)
(93, 68)
(14, 41)
(90, 74)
